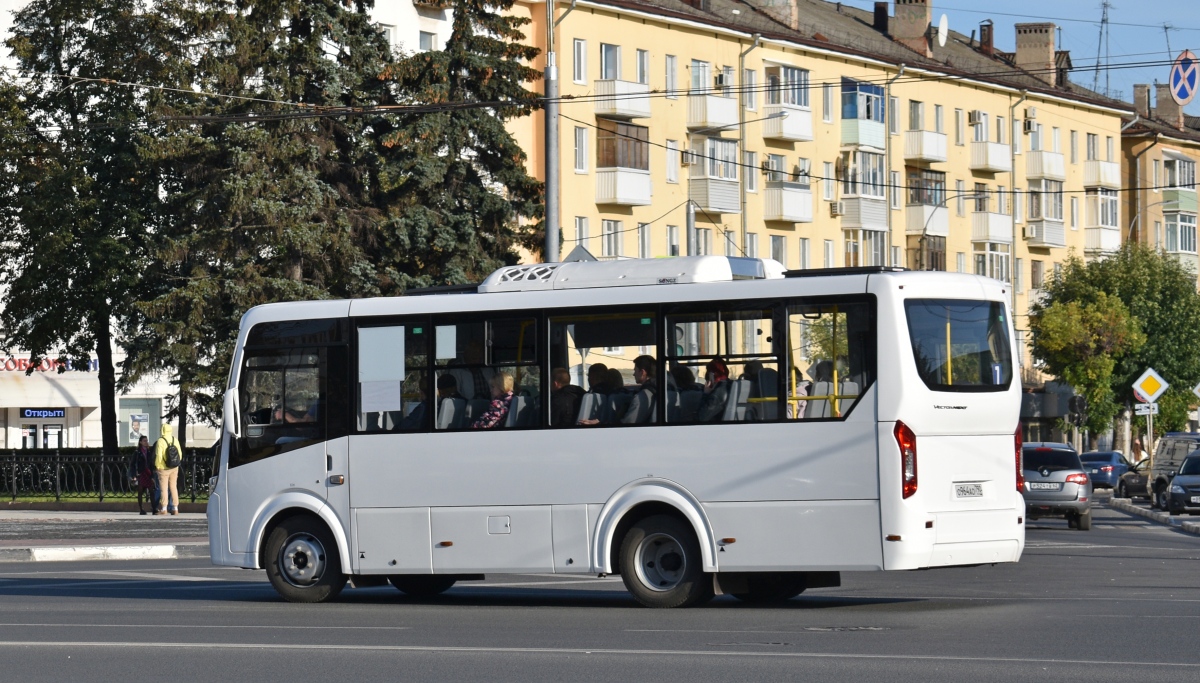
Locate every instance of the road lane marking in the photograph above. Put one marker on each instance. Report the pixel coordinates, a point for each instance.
(160, 577)
(579, 651)
(216, 626)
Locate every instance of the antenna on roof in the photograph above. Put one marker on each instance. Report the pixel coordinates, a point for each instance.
(1104, 6)
(943, 30)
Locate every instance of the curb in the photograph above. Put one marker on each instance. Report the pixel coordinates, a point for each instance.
(123, 506)
(1161, 517)
(61, 553)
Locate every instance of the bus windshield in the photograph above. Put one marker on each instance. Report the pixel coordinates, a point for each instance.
(960, 345)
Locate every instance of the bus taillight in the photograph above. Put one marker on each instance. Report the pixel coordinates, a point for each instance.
(1020, 465)
(908, 457)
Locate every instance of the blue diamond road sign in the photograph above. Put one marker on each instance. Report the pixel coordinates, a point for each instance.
(1185, 78)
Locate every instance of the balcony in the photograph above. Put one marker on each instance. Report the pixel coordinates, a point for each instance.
(927, 219)
(1102, 174)
(623, 186)
(864, 132)
(922, 145)
(1101, 240)
(1048, 165)
(868, 213)
(712, 111)
(791, 122)
(991, 227)
(786, 201)
(715, 195)
(1176, 200)
(990, 157)
(1046, 233)
(622, 99)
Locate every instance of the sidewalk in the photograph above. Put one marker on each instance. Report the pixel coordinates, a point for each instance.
(54, 536)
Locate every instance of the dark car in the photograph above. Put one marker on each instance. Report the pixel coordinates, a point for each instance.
(1105, 467)
(1184, 493)
(1056, 484)
(1171, 451)
(1134, 482)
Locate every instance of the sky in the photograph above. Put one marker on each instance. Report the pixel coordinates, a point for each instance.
(1135, 34)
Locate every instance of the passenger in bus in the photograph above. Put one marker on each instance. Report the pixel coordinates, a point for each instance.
(416, 417)
(684, 379)
(564, 399)
(641, 408)
(614, 380)
(447, 387)
(596, 378)
(716, 391)
(502, 396)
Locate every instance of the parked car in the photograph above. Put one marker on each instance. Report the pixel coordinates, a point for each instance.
(1172, 449)
(1056, 484)
(1105, 467)
(1133, 483)
(1184, 491)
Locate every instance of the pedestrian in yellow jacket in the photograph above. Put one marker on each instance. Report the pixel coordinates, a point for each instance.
(167, 457)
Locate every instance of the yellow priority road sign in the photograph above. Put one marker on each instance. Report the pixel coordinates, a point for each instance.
(1150, 385)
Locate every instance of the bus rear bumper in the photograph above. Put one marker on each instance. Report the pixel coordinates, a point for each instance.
(975, 552)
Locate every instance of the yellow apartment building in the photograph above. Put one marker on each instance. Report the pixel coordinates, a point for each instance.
(825, 137)
(1160, 147)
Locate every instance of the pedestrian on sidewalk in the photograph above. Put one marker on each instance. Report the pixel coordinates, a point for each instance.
(142, 472)
(168, 455)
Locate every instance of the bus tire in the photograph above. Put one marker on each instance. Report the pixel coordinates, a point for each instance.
(768, 588)
(421, 585)
(303, 562)
(661, 563)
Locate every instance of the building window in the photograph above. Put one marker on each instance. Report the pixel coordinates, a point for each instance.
(787, 85)
(579, 65)
(643, 233)
(960, 189)
(992, 260)
(926, 187)
(804, 255)
(894, 186)
(925, 252)
(1109, 148)
(728, 82)
(581, 231)
(1056, 140)
(703, 241)
(1093, 147)
(960, 262)
(865, 248)
(897, 256)
(864, 174)
(775, 167)
(802, 174)
(722, 161)
(1018, 204)
(391, 33)
(643, 67)
(1045, 200)
(916, 115)
(960, 118)
(672, 83)
(827, 181)
(610, 62)
(1183, 225)
(1158, 234)
(1001, 200)
(983, 202)
(700, 76)
(829, 254)
(427, 41)
(672, 240)
(939, 119)
(981, 126)
(1035, 138)
(1019, 275)
(751, 245)
(862, 101)
(1074, 213)
(730, 243)
(1037, 274)
(750, 89)
(750, 161)
(610, 238)
(1180, 173)
(1157, 175)
(1016, 136)
(622, 145)
(779, 249)
(581, 151)
(1074, 147)
(1101, 208)
(892, 113)
(673, 161)
(827, 103)
(1000, 130)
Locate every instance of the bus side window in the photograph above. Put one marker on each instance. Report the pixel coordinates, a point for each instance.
(393, 378)
(283, 404)
(477, 363)
(831, 359)
(597, 381)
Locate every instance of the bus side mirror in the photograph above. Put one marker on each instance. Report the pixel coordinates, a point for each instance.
(232, 419)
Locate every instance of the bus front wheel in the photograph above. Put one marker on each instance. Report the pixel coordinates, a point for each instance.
(661, 565)
(421, 585)
(303, 562)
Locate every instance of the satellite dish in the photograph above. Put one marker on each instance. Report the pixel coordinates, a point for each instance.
(943, 30)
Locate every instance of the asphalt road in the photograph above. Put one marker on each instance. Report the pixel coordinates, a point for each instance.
(1118, 603)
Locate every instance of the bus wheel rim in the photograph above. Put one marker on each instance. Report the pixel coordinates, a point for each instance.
(302, 560)
(661, 562)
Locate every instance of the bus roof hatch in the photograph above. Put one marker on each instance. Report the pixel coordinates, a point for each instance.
(629, 273)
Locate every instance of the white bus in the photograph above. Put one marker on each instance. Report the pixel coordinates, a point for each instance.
(744, 431)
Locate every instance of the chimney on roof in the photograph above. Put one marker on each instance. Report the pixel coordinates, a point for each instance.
(911, 25)
(785, 11)
(1166, 110)
(986, 46)
(1035, 51)
(881, 17)
(1141, 100)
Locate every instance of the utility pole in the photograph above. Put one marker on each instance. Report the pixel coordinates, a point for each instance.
(551, 143)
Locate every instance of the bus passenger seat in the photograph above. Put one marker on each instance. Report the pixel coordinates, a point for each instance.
(617, 404)
(736, 406)
(475, 408)
(452, 413)
(818, 407)
(768, 387)
(516, 409)
(589, 407)
(689, 405)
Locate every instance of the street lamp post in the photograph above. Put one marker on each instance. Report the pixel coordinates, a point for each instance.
(1137, 217)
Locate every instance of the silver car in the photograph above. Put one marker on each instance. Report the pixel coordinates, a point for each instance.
(1056, 485)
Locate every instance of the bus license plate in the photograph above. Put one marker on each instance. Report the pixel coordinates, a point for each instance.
(968, 490)
(1045, 486)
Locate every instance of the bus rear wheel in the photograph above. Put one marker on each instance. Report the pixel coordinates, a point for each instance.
(303, 562)
(421, 585)
(772, 587)
(661, 566)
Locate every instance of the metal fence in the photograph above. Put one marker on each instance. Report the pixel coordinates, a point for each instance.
(88, 473)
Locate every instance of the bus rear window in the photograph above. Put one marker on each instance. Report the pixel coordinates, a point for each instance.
(960, 345)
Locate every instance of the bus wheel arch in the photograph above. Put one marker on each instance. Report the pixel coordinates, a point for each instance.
(291, 504)
(301, 558)
(641, 500)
